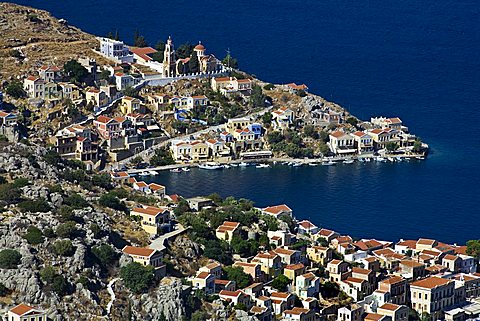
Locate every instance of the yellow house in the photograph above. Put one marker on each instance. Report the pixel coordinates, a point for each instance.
(319, 254)
(23, 312)
(291, 271)
(130, 105)
(144, 256)
(270, 262)
(227, 230)
(199, 150)
(153, 218)
(237, 123)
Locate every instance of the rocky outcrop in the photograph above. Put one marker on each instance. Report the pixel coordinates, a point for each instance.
(165, 300)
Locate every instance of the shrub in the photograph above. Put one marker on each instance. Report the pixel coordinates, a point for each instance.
(49, 232)
(96, 230)
(9, 259)
(111, 201)
(66, 230)
(63, 247)
(105, 254)
(77, 175)
(3, 180)
(66, 213)
(20, 182)
(34, 206)
(137, 278)
(47, 274)
(34, 235)
(76, 201)
(60, 285)
(9, 194)
(269, 86)
(102, 180)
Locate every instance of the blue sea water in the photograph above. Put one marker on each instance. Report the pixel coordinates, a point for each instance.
(418, 60)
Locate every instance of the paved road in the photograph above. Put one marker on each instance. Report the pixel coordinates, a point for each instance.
(159, 243)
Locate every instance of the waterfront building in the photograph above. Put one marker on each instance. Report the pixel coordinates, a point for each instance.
(432, 295)
(307, 227)
(230, 86)
(278, 210)
(363, 142)
(144, 256)
(341, 143)
(295, 89)
(327, 235)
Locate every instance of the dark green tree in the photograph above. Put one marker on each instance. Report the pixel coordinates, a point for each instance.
(229, 61)
(236, 273)
(63, 248)
(75, 71)
(105, 254)
(136, 277)
(9, 259)
(33, 236)
(473, 248)
(193, 63)
(139, 40)
(15, 89)
(281, 283)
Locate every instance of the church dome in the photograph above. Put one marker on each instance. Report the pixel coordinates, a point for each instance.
(199, 47)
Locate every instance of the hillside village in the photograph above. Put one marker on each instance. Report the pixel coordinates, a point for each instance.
(84, 238)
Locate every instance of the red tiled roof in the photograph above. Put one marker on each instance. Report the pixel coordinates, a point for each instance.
(277, 209)
(431, 282)
(22, 309)
(141, 251)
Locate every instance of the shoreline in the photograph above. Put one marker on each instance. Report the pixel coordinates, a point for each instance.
(281, 161)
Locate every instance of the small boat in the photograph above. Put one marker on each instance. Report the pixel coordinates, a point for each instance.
(153, 173)
(210, 166)
(233, 165)
(420, 157)
(243, 164)
(186, 169)
(348, 161)
(391, 159)
(144, 174)
(262, 166)
(297, 164)
(329, 163)
(380, 159)
(176, 170)
(312, 164)
(398, 159)
(226, 166)
(274, 162)
(286, 163)
(368, 159)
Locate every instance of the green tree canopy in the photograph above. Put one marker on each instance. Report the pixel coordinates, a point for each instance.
(75, 71)
(137, 278)
(229, 61)
(105, 254)
(281, 283)
(193, 63)
(473, 248)
(63, 248)
(139, 40)
(236, 273)
(33, 236)
(9, 259)
(15, 89)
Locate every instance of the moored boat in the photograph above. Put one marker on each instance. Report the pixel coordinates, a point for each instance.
(262, 166)
(329, 163)
(348, 161)
(210, 165)
(176, 170)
